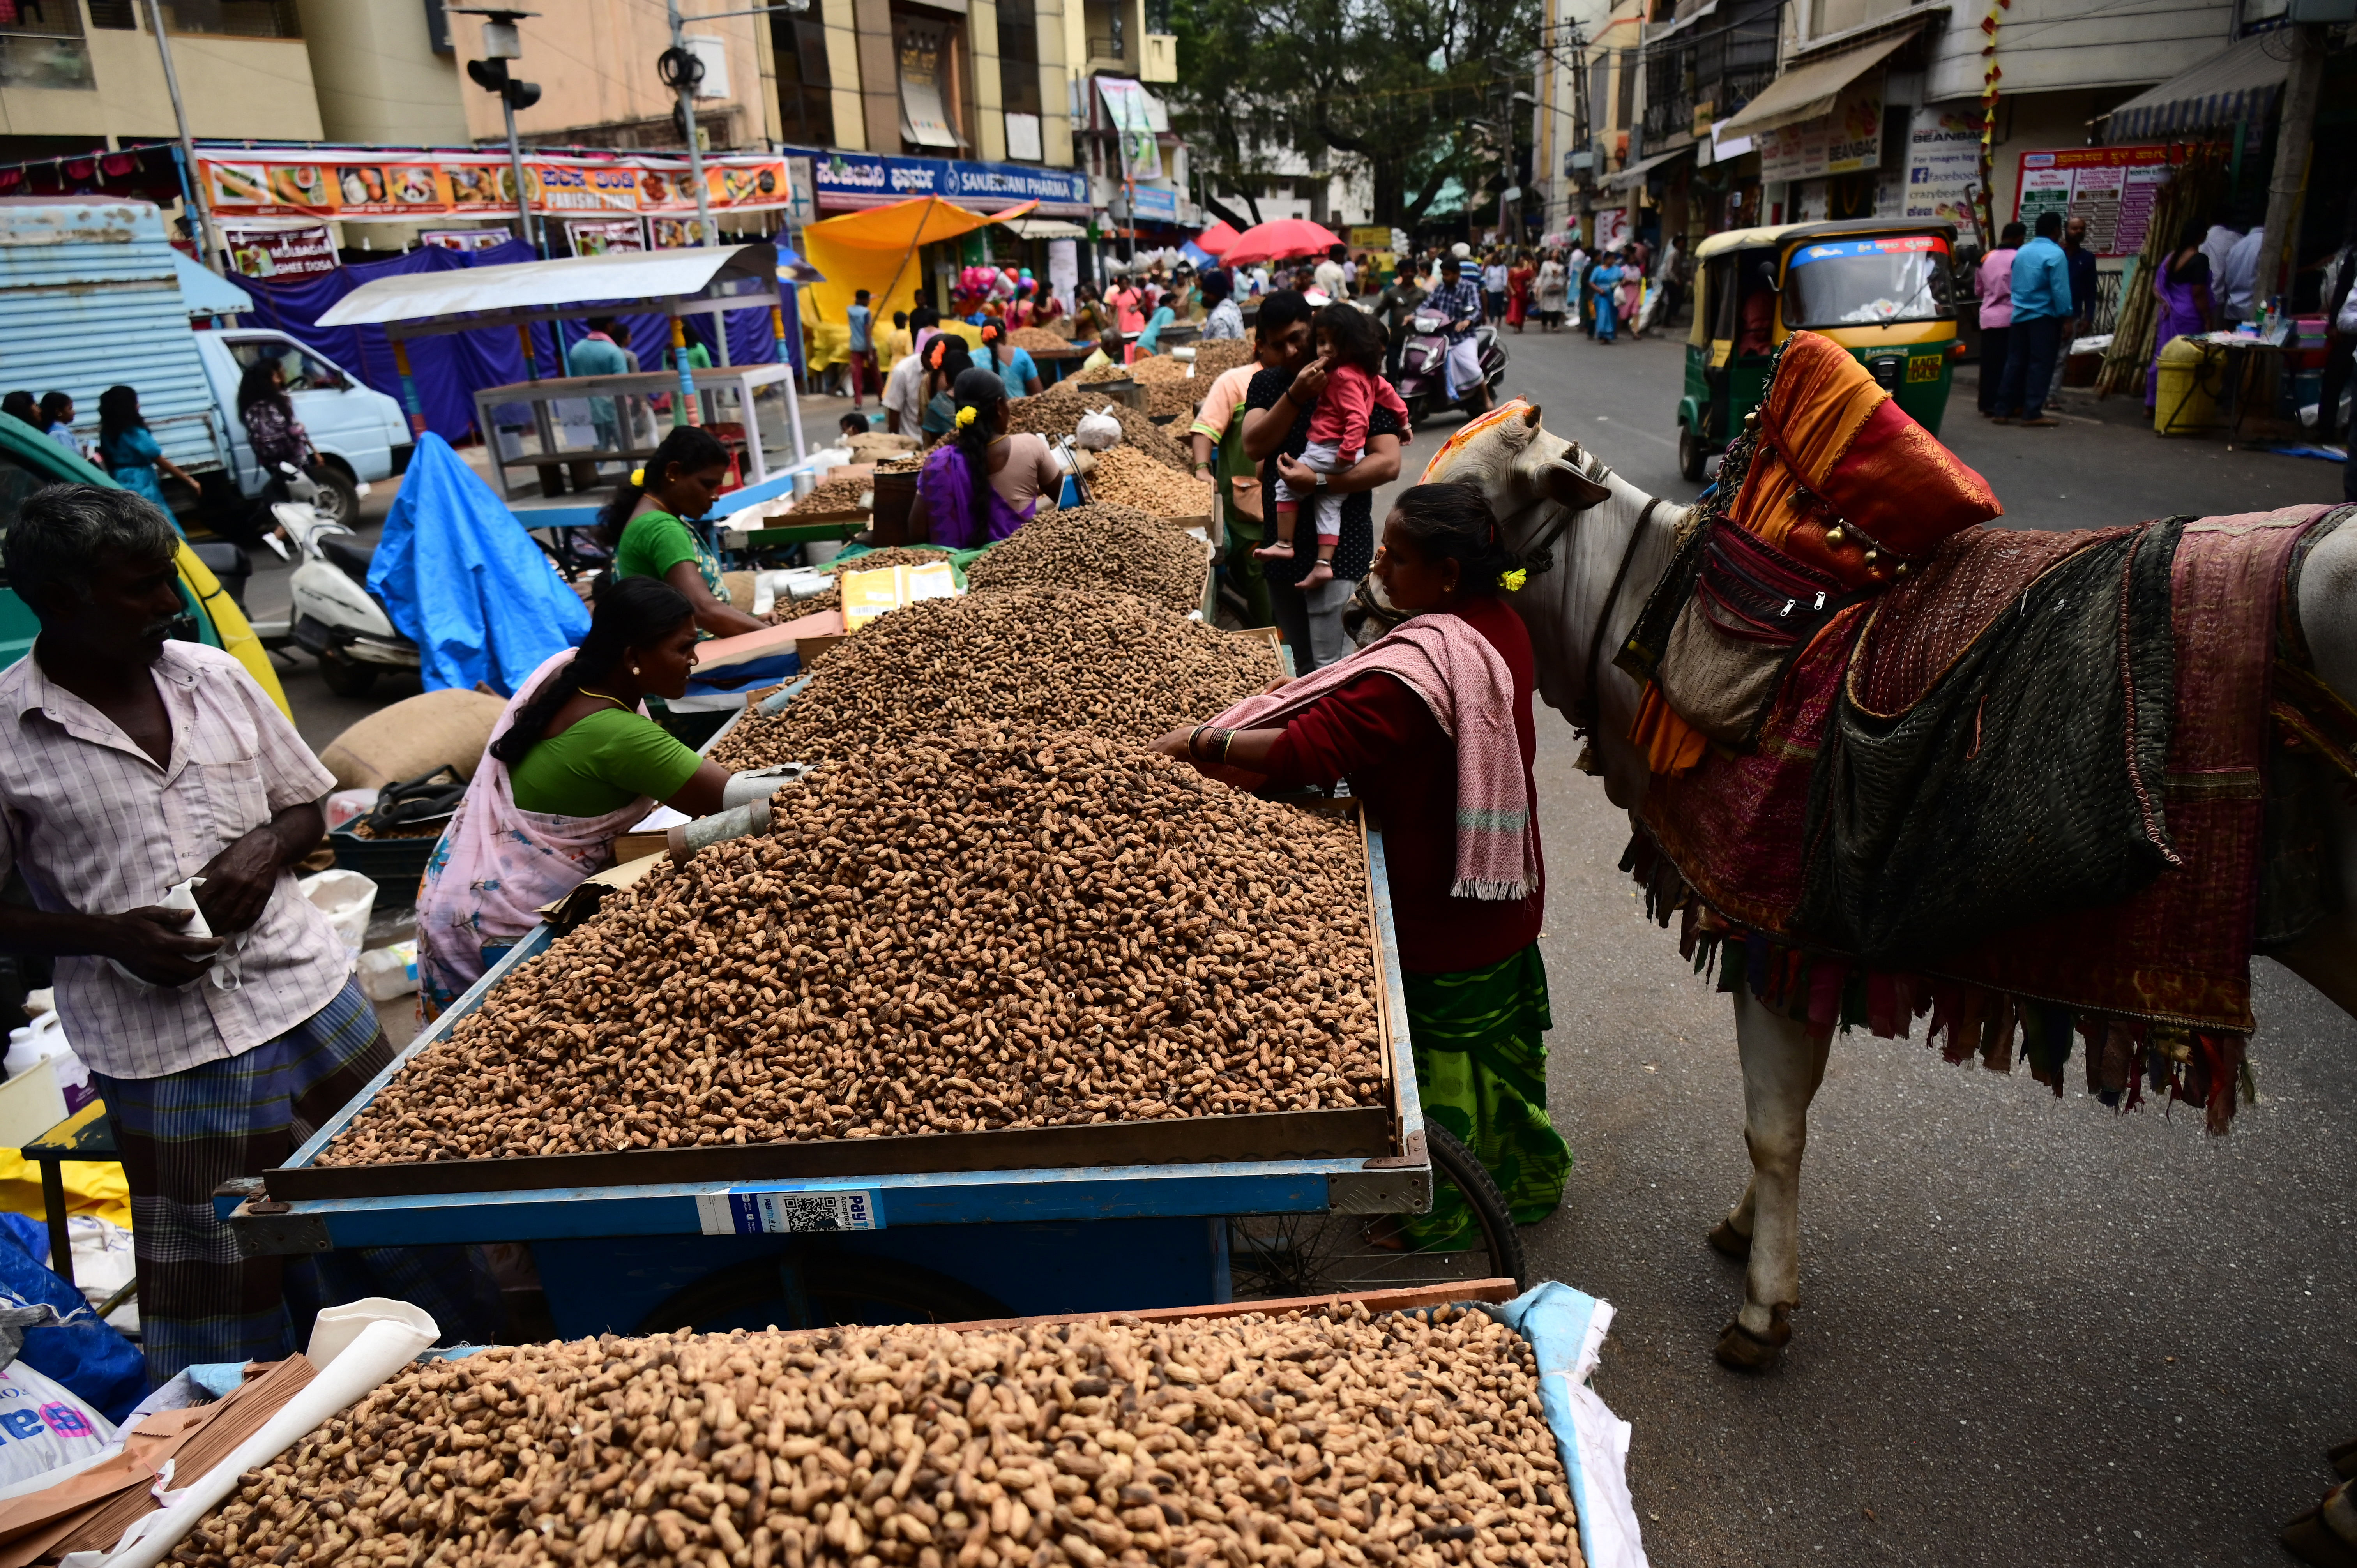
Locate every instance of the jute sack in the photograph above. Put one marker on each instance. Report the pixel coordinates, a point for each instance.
(412, 736)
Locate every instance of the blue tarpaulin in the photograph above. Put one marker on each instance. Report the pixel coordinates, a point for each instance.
(463, 581)
(449, 369)
(102, 1367)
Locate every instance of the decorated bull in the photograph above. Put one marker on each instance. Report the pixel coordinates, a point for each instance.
(2035, 790)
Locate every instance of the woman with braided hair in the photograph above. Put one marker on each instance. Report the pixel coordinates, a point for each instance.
(1431, 723)
(982, 484)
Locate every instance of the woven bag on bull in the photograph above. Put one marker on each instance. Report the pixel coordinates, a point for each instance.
(1906, 763)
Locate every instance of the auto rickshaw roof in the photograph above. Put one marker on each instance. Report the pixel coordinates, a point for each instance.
(1781, 234)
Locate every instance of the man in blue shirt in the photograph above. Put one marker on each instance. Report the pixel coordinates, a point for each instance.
(595, 353)
(2041, 308)
(863, 347)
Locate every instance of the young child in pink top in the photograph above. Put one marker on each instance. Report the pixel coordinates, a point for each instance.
(1349, 340)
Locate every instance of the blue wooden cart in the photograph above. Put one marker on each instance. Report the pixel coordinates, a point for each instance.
(1070, 1219)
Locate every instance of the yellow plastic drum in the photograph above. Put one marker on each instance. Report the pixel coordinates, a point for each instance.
(2186, 402)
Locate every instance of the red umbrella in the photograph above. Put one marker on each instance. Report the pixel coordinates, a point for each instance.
(1216, 239)
(1273, 241)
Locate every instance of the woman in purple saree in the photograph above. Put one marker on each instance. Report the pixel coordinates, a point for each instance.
(982, 484)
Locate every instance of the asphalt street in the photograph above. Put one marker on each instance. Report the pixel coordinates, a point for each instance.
(2032, 1330)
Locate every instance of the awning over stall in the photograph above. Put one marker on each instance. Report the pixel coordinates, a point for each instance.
(1807, 92)
(2241, 82)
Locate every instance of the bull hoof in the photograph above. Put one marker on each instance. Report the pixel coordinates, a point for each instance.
(1728, 1242)
(1740, 1350)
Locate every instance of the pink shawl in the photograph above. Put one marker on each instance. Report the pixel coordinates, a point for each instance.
(1465, 683)
(498, 864)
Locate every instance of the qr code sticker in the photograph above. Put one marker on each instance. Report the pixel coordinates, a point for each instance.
(772, 1213)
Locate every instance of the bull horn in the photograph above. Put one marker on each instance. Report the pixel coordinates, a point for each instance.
(1530, 416)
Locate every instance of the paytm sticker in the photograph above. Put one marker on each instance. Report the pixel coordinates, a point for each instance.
(737, 1213)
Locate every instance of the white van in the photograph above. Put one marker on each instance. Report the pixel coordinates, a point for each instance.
(360, 434)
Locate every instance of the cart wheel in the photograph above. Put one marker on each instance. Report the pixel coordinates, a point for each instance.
(817, 1290)
(1272, 1256)
(1691, 457)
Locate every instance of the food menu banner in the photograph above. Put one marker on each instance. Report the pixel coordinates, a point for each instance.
(2114, 189)
(357, 183)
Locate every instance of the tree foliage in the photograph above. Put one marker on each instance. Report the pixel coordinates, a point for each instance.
(1405, 86)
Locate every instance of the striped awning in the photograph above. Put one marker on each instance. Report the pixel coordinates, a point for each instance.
(2241, 83)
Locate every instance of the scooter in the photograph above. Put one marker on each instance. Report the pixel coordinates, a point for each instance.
(335, 618)
(1423, 380)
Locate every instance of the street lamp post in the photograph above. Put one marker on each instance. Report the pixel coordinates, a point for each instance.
(208, 240)
(502, 43)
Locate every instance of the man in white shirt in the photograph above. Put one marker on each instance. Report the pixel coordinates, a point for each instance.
(1493, 286)
(2239, 281)
(1330, 280)
(133, 764)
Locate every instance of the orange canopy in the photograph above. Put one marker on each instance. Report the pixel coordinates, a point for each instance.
(877, 250)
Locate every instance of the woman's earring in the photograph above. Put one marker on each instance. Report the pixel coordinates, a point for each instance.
(634, 669)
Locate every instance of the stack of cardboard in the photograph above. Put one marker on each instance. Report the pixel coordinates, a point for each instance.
(89, 1511)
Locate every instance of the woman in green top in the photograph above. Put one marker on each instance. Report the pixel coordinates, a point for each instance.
(643, 523)
(572, 763)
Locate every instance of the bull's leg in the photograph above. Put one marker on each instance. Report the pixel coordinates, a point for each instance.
(1732, 1235)
(1784, 1062)
(2326, 957)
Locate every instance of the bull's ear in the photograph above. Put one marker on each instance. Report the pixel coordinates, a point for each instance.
(1562, 483)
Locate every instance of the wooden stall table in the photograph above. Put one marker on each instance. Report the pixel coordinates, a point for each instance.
(87, 1134)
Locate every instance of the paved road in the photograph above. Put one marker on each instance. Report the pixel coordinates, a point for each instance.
(2031, 1331)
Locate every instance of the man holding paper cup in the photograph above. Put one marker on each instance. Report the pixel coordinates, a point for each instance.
(133, 764)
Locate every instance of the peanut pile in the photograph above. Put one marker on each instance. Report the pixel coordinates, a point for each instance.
(832, 496)
(1221, 354)
(1116, 371)
(1057, 412)
(1039, 340)
(1124, 476)
(1176, 399)
(1035, 660)
(944, 938)
(1311, 1440)
(1155, 368)
(873, 561)
(1102, 546)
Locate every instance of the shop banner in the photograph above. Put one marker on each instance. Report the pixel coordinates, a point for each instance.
(280, 253)
(1127, 105)
(850, 181)
(1060, 192)
(603, 236)
(1154, 204)
(1064, 271)
(1842, 142)
(2114, 189)
(363, 183)
(464, 239)
(1943, 167)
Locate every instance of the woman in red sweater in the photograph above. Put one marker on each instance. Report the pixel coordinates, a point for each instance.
(1432, 727)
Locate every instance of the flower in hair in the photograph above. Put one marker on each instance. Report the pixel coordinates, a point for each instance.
(1512, 580)
(638, 478)
(965, 416)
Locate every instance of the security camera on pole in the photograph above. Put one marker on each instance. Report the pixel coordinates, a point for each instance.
(502, 43)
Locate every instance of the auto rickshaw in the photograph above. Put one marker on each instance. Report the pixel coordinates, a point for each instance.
(1882, 288)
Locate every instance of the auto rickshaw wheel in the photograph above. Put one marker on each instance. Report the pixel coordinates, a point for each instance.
(1690, 456)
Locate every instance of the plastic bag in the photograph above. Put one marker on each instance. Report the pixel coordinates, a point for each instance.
(388, 973)
(1097, 432)
(43, 1425)
(348, 899)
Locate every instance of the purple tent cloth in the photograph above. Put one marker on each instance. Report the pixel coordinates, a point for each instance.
(448, 368)
(946, 484)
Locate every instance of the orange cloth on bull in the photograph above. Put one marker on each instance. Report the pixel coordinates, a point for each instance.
(1836, 449)
(1833, 448)
(1670, 743)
